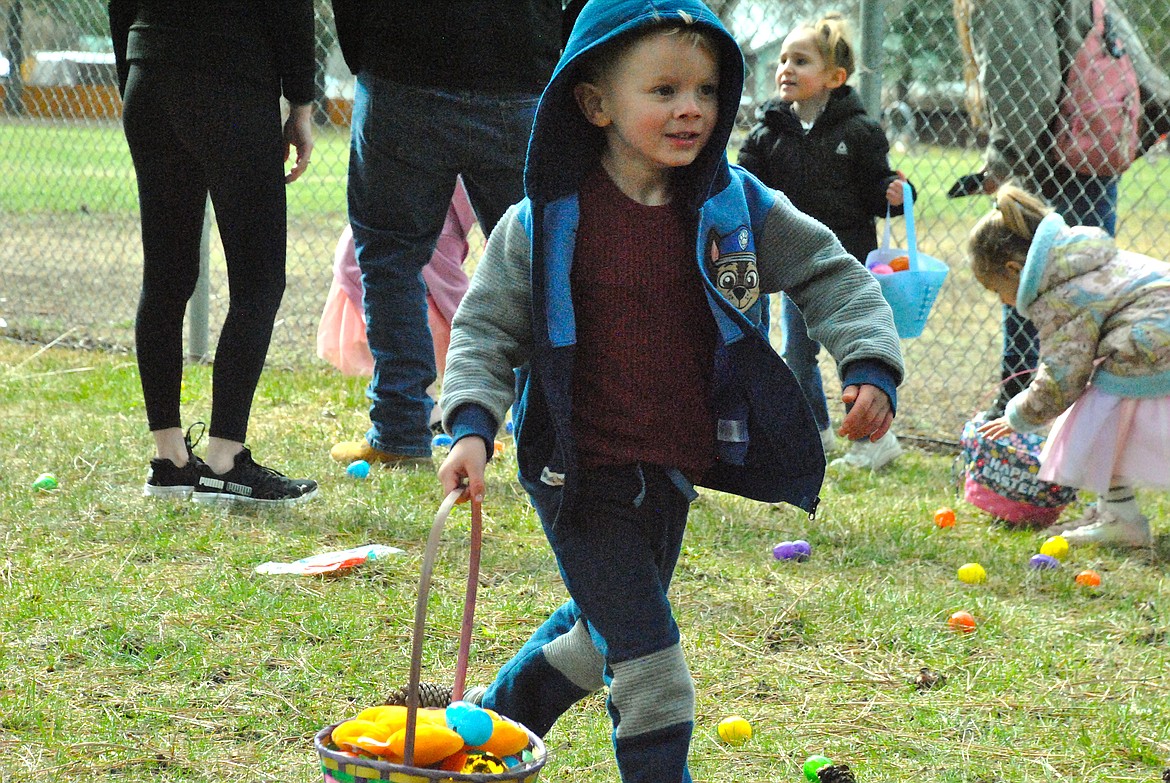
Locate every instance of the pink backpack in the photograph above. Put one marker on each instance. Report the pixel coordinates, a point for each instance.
(1096, 129)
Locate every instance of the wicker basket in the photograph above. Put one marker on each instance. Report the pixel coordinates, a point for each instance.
(339, 766)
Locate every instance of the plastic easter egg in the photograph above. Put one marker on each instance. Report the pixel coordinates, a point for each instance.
(881, 269)
(944, 517)
(735, 730)
(784, 551)
(509, 427)
(358, 469)
(45, 482)
(441, 441)
(900, 264)
(1043, 563)
(470, 722)
(1056, 546)
(803, 549)
(972, 574)
(483, 762)
(961, 622)
(499, 447)
(812, 764)
(1088, 578)
(454, 762)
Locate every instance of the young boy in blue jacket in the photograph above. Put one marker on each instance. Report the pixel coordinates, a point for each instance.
(629, 291)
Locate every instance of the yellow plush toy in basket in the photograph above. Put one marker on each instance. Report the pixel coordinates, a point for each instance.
(910, 280)
(413, 744)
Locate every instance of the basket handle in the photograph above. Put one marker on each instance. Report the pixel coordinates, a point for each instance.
(911, 232)
(420, 613)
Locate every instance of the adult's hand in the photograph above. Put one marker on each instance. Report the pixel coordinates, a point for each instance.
(298, 132)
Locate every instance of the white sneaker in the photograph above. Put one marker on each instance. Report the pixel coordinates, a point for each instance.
(865, 454)
(828, 441)
(1112, 529)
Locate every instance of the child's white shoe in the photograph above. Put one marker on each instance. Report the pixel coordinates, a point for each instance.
(865, 454)
(1112, 529)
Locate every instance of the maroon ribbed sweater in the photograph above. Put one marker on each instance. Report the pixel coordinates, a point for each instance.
(645, 336)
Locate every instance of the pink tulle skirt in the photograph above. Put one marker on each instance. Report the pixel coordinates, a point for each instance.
(341, 334)
(1104, 440)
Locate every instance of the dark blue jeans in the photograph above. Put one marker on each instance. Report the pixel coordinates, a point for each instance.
(800, 353)
(407, 146)
(617, 552)
(1084, 201)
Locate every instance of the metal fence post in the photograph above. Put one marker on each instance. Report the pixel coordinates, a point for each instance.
(198, 307)
(873, 25)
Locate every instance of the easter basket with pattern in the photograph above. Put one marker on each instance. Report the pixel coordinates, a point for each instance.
(342, 766)
(1000, 476)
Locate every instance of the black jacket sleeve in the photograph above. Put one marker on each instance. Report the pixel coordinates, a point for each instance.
(121, 13)
(348, 18)
(293, 41)
(753, 154)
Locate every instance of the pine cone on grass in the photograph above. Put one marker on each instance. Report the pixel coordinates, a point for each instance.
(430, 694)
(838, 773)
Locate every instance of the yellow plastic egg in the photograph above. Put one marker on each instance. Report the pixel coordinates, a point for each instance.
(735, 730)
(1056, 546)
(972, 574)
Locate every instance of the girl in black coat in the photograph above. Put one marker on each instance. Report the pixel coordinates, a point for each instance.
(815, 143)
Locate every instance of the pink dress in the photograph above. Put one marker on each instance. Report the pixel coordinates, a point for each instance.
(1103, 440)
(341, 334)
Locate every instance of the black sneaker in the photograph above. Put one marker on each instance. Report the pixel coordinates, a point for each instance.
(248, 482)
(164, 479)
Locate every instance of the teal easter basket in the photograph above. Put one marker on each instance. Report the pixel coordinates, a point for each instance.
(910, 293)
(339, 766)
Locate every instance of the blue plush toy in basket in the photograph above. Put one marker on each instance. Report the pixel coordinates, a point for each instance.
(911, 292)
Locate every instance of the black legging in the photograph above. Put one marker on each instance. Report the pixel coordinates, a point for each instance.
(192, 133)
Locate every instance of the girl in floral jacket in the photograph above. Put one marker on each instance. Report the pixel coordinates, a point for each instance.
(1103, 316)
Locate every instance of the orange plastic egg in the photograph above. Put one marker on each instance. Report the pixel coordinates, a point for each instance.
(900, 264)
(1088, 578)
(945, 517)
(962, 622)
(499, 447)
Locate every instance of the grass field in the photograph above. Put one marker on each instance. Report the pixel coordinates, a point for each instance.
(136, 641)
(70, 256)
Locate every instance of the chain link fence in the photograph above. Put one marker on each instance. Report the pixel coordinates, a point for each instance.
(70, 253)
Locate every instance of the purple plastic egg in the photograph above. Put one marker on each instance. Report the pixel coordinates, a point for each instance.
(1043, 562)
(785, 550)
(803, 549)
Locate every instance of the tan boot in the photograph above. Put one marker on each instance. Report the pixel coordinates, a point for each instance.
(353, 450)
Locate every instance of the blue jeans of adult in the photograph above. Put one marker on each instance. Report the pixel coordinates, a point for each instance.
(1083, 201)
(617, 552)
(407, 145)
(800, 353)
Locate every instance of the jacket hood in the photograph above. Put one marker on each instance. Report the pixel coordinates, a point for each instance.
(843, 102)
(1058, 253)
(564, 146)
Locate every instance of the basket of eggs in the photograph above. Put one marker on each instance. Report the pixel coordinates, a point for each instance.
(910, 280)
(425, 732)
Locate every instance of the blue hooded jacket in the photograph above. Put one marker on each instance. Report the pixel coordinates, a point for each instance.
(768, 445)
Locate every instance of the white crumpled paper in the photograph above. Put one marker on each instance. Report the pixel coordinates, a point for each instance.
(330, 561)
